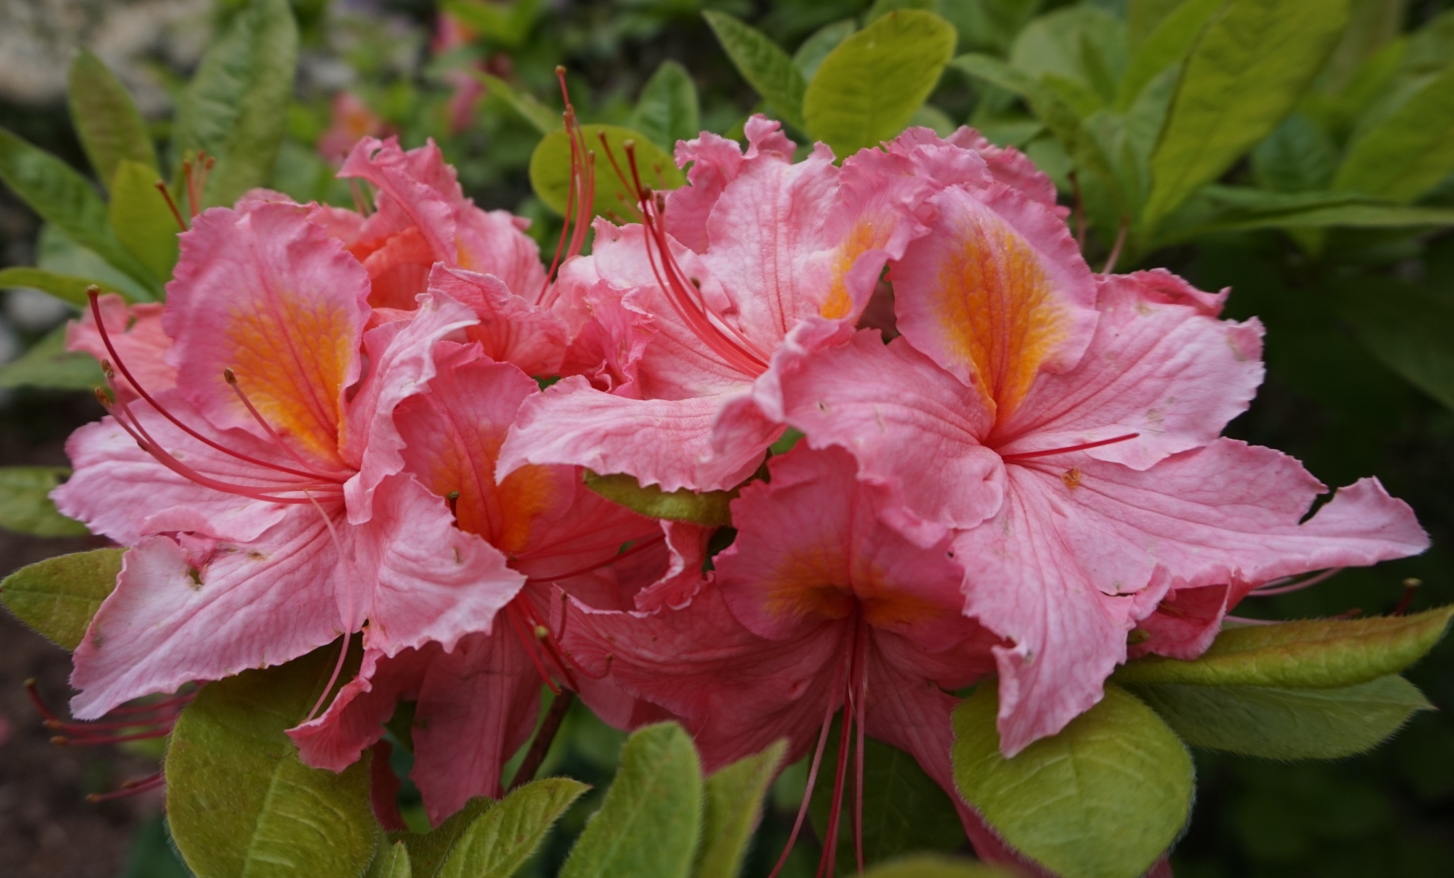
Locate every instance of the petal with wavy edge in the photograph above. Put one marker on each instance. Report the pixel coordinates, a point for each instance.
(510, 329)
(136, 333)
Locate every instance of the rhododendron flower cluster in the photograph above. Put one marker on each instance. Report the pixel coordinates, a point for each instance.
(957, 453)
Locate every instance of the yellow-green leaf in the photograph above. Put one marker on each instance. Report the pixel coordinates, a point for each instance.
(500, 840)
(141, 219)
(550, 169)
(710, 508)
(58, 596)
(733, 810)
(105, 117)
(765, 66)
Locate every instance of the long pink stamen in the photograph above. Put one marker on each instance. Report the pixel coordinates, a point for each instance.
(600, 565)
(337, 669)
(1277, 587)
(1026, 455)
(130, 788)
(528, 642)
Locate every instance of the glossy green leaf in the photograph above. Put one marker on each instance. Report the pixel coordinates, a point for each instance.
(49, 365)
(904, 810)
(25, 504)
(544, 118)
(550, 169)
(931, 866)
(107, 123)
(141, 219)
(64, 287)
(1101, 799)
(65, 198)
(234, 107)
(734, 796)
(667, 111)
(58, 596)
(1312, 652)
(651, 818)
(428, 851)
(1410, 151)
(710, 508)
(1286, 723)
(1252, 62)
(239, 801)
(765, 66)
(500, 840)
(1406, 328)
(869, 87)
(392, 862)
(815, 48)
(1168, 44)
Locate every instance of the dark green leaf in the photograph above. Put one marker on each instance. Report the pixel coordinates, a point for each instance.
(667, 111)
(1167, 45)
(1286, 723)
(71, 290)
(765, 66)
(499, 841)
(1298, 156)
(930, 866)
(1252, 62)
(880, 8)
(869, 87)
(988, 25)
(816, 47)
(239, 801)
(25, 504)
(503, 24)
(58, 254)
(141, 219)
(710, 508)
(1410, 151)
(1406, 328)
(235, 107)
(550, 169)
(106, 120)
(49, 365)
(530, 109)
(1226, 208)
(1144, 16)
(1082, 44)
(58, 596)
(652, 816)
(1101, 799)
(734, 796)
(1312, 652)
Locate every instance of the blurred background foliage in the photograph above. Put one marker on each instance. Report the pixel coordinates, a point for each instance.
(1330, 224)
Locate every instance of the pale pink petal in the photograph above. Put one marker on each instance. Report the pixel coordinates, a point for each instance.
(416, 189)
(942, 160)
(136, 333)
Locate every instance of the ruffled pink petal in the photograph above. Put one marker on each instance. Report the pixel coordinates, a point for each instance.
(416, 189)
(942, 160)
(679, 583)
(355, 718)
(494, 242)
(510, 329)
(136, 334)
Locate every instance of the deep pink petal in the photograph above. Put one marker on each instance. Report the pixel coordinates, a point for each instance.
(355, 718)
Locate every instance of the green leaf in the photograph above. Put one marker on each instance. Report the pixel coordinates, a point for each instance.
(869, 87)
(65, 198)
(1144, 16)
(49, 365)
(239, 801)
(1253, 61)
(1101, 799)
(58, 596)
(815, 48)
(1231, 208)
(527, 105)
(429, 851)
(1298, 156)
(652, 815)
(880, 8)
(234, 108)
(1279, 723)
(1081, 44)
(141, 219)
(56, 253)
(1410, 151)
(711, 508)
(765, 66)
(499, 841)
(1167, 45)
(106, 120)
(504, 24)
(393, 862)
(550, 169)
(904, 810)
(1312, 652)
(734, 796)
(1406, 327)
(667, 111)
(989, 25)
(930, 866)
(26, 506)
(71, 290)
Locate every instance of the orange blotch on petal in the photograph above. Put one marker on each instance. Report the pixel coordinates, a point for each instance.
(865, 236)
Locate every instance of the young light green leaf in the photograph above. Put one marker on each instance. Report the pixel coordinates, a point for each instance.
(904, 810)
(392, 862)
(239, 801)
(428, 851)
(527, 105)
(1101, 799)
(1311, 652)
(765, 66)
(235, 107)
(868, 88)
(500, 840)
(1406, 328)
(1286, 723)
(1410, 151)
(106, 120)
(667, 111)
(1252, 62)
(58, 596)
(710, 508)
(26, 506)
(550, 169)
(1168, 44)
(141, 219)
(652, 816)
(71, 290)
(733, 810)
(1144, 16)
(816, 47)
(65, 198)
(931, 866)
(48, 364)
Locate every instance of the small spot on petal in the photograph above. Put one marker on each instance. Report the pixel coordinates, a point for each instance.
(1071, 478)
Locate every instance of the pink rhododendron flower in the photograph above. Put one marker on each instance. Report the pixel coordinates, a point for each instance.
(351, 121)
(262, 493)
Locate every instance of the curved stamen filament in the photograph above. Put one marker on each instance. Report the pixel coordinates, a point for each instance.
(231, 379)
(1290, 584)
(1027, 455)
(580, 196)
